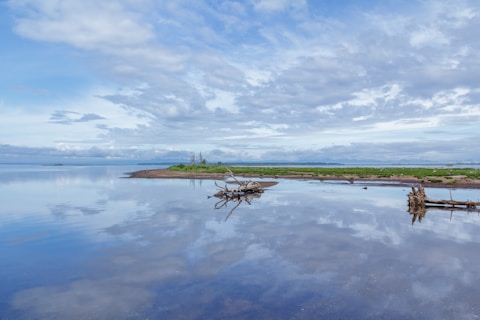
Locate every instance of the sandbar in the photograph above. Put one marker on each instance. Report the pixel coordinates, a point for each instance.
(451, 183)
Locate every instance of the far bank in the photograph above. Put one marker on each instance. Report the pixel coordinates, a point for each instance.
(430, 177)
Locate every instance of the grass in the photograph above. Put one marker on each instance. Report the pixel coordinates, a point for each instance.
(362, 172)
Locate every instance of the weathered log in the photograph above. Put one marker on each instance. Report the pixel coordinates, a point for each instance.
(452, 203)
(419, 203)
(418, 199)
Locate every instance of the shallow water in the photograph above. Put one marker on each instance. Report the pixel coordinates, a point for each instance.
(83, 243)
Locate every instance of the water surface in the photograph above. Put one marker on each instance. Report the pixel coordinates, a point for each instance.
(83, 243)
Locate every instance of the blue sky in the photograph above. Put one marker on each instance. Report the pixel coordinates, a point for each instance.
(256, 80)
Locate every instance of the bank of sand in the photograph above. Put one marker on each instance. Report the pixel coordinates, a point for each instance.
(451, 182)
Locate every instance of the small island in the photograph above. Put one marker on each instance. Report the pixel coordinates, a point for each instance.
(430, 177)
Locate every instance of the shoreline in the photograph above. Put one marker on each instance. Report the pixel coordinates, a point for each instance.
(405, 181)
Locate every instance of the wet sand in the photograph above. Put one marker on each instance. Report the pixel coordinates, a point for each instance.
(451, 183)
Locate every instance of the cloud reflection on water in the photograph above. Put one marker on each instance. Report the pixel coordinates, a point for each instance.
(304, 250)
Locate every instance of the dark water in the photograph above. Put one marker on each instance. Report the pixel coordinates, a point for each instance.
(82, 243)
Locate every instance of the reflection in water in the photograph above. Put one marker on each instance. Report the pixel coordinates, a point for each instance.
(146, 248)
(418, 213)
(238, 199)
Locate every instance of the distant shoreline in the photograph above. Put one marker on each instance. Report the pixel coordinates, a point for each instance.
(457, 182)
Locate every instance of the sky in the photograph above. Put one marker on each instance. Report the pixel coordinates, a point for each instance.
(257, 80)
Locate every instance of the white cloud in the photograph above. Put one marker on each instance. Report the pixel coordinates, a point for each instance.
(86, 24)
(457, 96)
(222, 100)
(276, 5)
(77, 123)
(117, 29)
(428, 36)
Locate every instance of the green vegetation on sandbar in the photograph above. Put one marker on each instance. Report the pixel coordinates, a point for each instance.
(361, 172)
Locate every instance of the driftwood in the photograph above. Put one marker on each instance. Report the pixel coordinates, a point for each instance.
(243, 187)
(418, 203)
(244, 191)
(418, 198)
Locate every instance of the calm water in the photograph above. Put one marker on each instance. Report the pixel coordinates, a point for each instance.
(83, 243)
